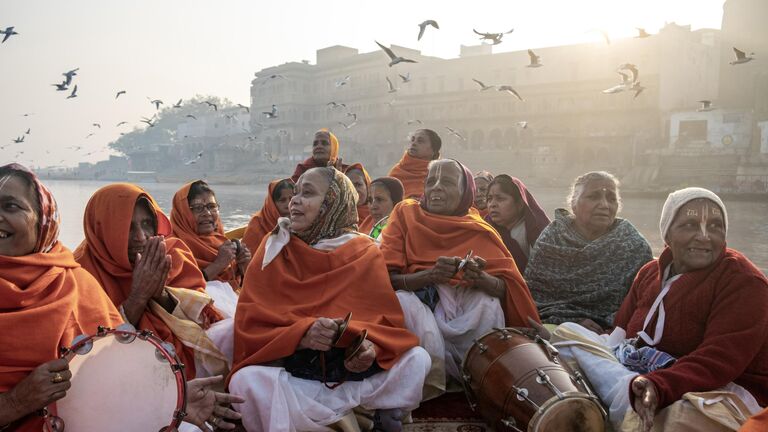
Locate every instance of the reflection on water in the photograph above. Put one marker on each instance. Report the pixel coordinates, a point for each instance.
(747, 230)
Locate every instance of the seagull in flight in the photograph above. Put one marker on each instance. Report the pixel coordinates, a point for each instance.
(423, 27)
(641, 33)
(61, 87)
(19, 139)
(69, 74)
(271, 114)
(148, 121)
(348, 126)
(96, 125)
(343, 82)
(121, 123)
(392, 88)
(483, 87)
(29, 131)
(494, 37)
(121, 92)
(632, 68)
(522, 124)
(334, 105)
(706, 105)
(353, 115)
(535, 60)
(8, 33)
(394, 59)
(406, 78)
(74, 93)
(637, 88)
(90, 135)
(177, 104)
(191, 116)
(272, 77)
(248, 110)
(415, 121)
(194, 161)
(456, 134)
(156, 103)
(511, 91)
(211, 104)
(741, 57)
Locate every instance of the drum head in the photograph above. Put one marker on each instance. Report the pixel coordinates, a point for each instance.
(572, 414)
(119, 387)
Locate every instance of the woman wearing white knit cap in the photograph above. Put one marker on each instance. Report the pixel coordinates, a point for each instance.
(694, 321)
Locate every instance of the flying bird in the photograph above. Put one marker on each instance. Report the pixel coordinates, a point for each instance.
(456, 134)
(29, 131)
(248, 110)
(641, 33)
(511, 91)
(423, 27)
(61, 87)
(637, 88)
(121, 92)
(230, 116)
(69, 74)
(19, 139)
(632, 68)
(148, 121)
(8, 33)
(483, 87)
(522, 124)
(494, 37)
(535, 60)
(96, 125)
(90, 135)
(343, 82)
(706, 105)
(394, 59)
(348, 126)
(121, 123)
(191, 116)
(414, 121)
(392, 88)
(406, 78)
(196, 158)
(74, 93)
(273, 76)
(268, 156)
(177, 104)
(741, 57)
(353, 115)
(334, 105)
(156, 103)
(211, 104)
(271, 114)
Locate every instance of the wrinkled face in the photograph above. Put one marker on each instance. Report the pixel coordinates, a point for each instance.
(321, 148)
(442, 189)
(595, 209)
(206, 211)
(18, 217)
(503, 209)
(697, 235)
(285, 198)
(358, 180)
(306, 204)
(421, 147)
(481, 188)
(381, 202)
(142, 228)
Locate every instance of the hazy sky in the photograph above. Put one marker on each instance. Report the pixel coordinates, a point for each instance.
(171, 49)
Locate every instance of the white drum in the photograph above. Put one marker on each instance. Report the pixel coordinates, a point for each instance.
(122, 379)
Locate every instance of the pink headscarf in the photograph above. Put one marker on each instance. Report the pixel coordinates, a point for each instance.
(48, 218)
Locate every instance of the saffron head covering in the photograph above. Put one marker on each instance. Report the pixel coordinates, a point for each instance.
(338, 212)
(48, 212)
(334, 144)
(394, 186)
(681, 197)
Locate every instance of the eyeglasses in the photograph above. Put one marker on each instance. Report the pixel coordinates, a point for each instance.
(200, 208)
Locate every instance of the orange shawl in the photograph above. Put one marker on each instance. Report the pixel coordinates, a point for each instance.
(364, 220)
(757, 423)
(46, 299)
(104, 253)
(279, 303)
(263, 222)
(414, 239)
(412, 172)
(204, 248)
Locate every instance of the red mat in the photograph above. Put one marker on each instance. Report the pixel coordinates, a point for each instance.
(447, 406)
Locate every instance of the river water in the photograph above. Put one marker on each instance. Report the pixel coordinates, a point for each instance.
(748, 221)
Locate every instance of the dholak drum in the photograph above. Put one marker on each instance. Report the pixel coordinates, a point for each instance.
(518, 384)
(121, 380)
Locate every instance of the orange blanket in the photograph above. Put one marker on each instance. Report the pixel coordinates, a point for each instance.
(279, 303)
(757, 423)
(263, 222)
(412, 172)
(205, 248)
(414, 239)
(46, 299)
(104, 253)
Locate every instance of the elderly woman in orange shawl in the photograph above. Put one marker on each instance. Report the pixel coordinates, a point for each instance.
(292, 347)
(153, 280)
(275, 206)
(455, 277)
(46, 300)
(325, 151)
(195, 220)
(362, 183)
(412, 169)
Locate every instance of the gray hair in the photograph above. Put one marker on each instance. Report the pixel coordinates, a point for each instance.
(452, 161)
(577, 187)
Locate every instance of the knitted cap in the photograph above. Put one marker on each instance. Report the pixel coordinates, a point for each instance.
(679, 198)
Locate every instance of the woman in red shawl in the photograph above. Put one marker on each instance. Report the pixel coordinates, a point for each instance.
(325, 151)
(195, 220)
(362, 182)
(516, 216)
(126, 250)
(412, 168)
(275, 206)
(46, 299)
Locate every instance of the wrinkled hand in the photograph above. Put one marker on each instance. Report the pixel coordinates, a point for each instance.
(205, 405)
(38, 390)
(227, 253)
(243, 258)
(646, 401)
(151, 271)
(443, 270)
(321, 334)
(591, 325)
(364, 358)
(474, 271)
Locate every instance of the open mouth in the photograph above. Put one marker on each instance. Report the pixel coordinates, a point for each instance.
(295, 214)
(5, 234)
(699, 250)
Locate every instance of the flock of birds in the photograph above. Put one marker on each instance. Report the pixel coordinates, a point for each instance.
(628, 73)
